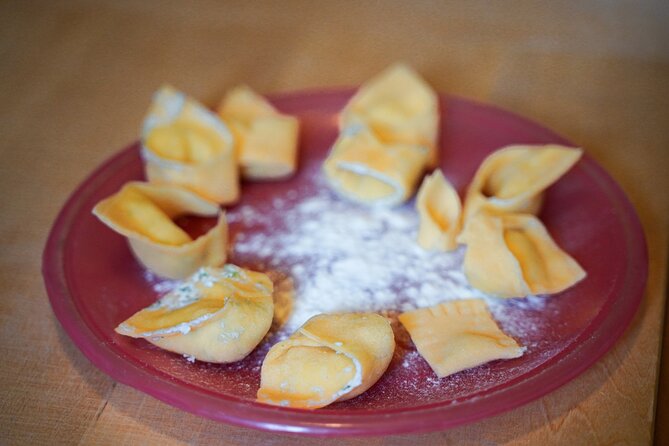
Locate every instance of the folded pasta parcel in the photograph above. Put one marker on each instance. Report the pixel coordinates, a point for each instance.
(458, 335)
(515, 256)
(512, 179)
(388, 136)
(363, 169)
(144, 213)
(399, 107)
(183, 143)
(332, 357)
(266, 140)
(217, 315)
(439, 209)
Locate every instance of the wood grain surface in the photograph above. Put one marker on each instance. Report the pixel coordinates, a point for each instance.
(76, 78)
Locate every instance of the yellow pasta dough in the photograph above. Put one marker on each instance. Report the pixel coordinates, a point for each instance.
(330, 358)
(515, 256)
(185, 144)
(284, 298)
(439, 210)
(399, 107)
(458, 335)
(388, 135)
(144, 214)
(266, 140)
(360, 168)
(242, 105)
(513, 178)
(217, 315)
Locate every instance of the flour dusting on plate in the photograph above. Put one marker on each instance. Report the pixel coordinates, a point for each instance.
(347, 257)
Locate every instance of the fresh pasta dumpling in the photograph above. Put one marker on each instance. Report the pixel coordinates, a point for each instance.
(332, 357)
(388, 136)
(266, 139)
(183, 143)
(362, 169)
(399, 107)
(439, 210)
(144, 213)
(515, 256)
(458, 335)
(217, 315)
(512, 179)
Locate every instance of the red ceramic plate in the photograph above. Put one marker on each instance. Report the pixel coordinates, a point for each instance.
(94, 283)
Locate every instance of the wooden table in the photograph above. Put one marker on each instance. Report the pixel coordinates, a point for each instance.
(76, 79)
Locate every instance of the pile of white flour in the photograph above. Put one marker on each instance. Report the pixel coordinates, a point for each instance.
(347, 257)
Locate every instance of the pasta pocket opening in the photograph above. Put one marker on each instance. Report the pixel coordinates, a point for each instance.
(512, 179)
(144, 214)
(360, 168)
(439, 210)
(185, 144)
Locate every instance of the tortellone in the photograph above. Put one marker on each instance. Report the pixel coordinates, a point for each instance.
(218, 315)
(458, 335)
(332, 357)
(439, 210)
(143, 213)
(398, 106)
(362, 169)
(388, 136)
(512, 179)
(514, 256)
(185, 144)
(266, 139)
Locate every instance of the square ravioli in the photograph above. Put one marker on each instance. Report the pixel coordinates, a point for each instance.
(458, 335)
